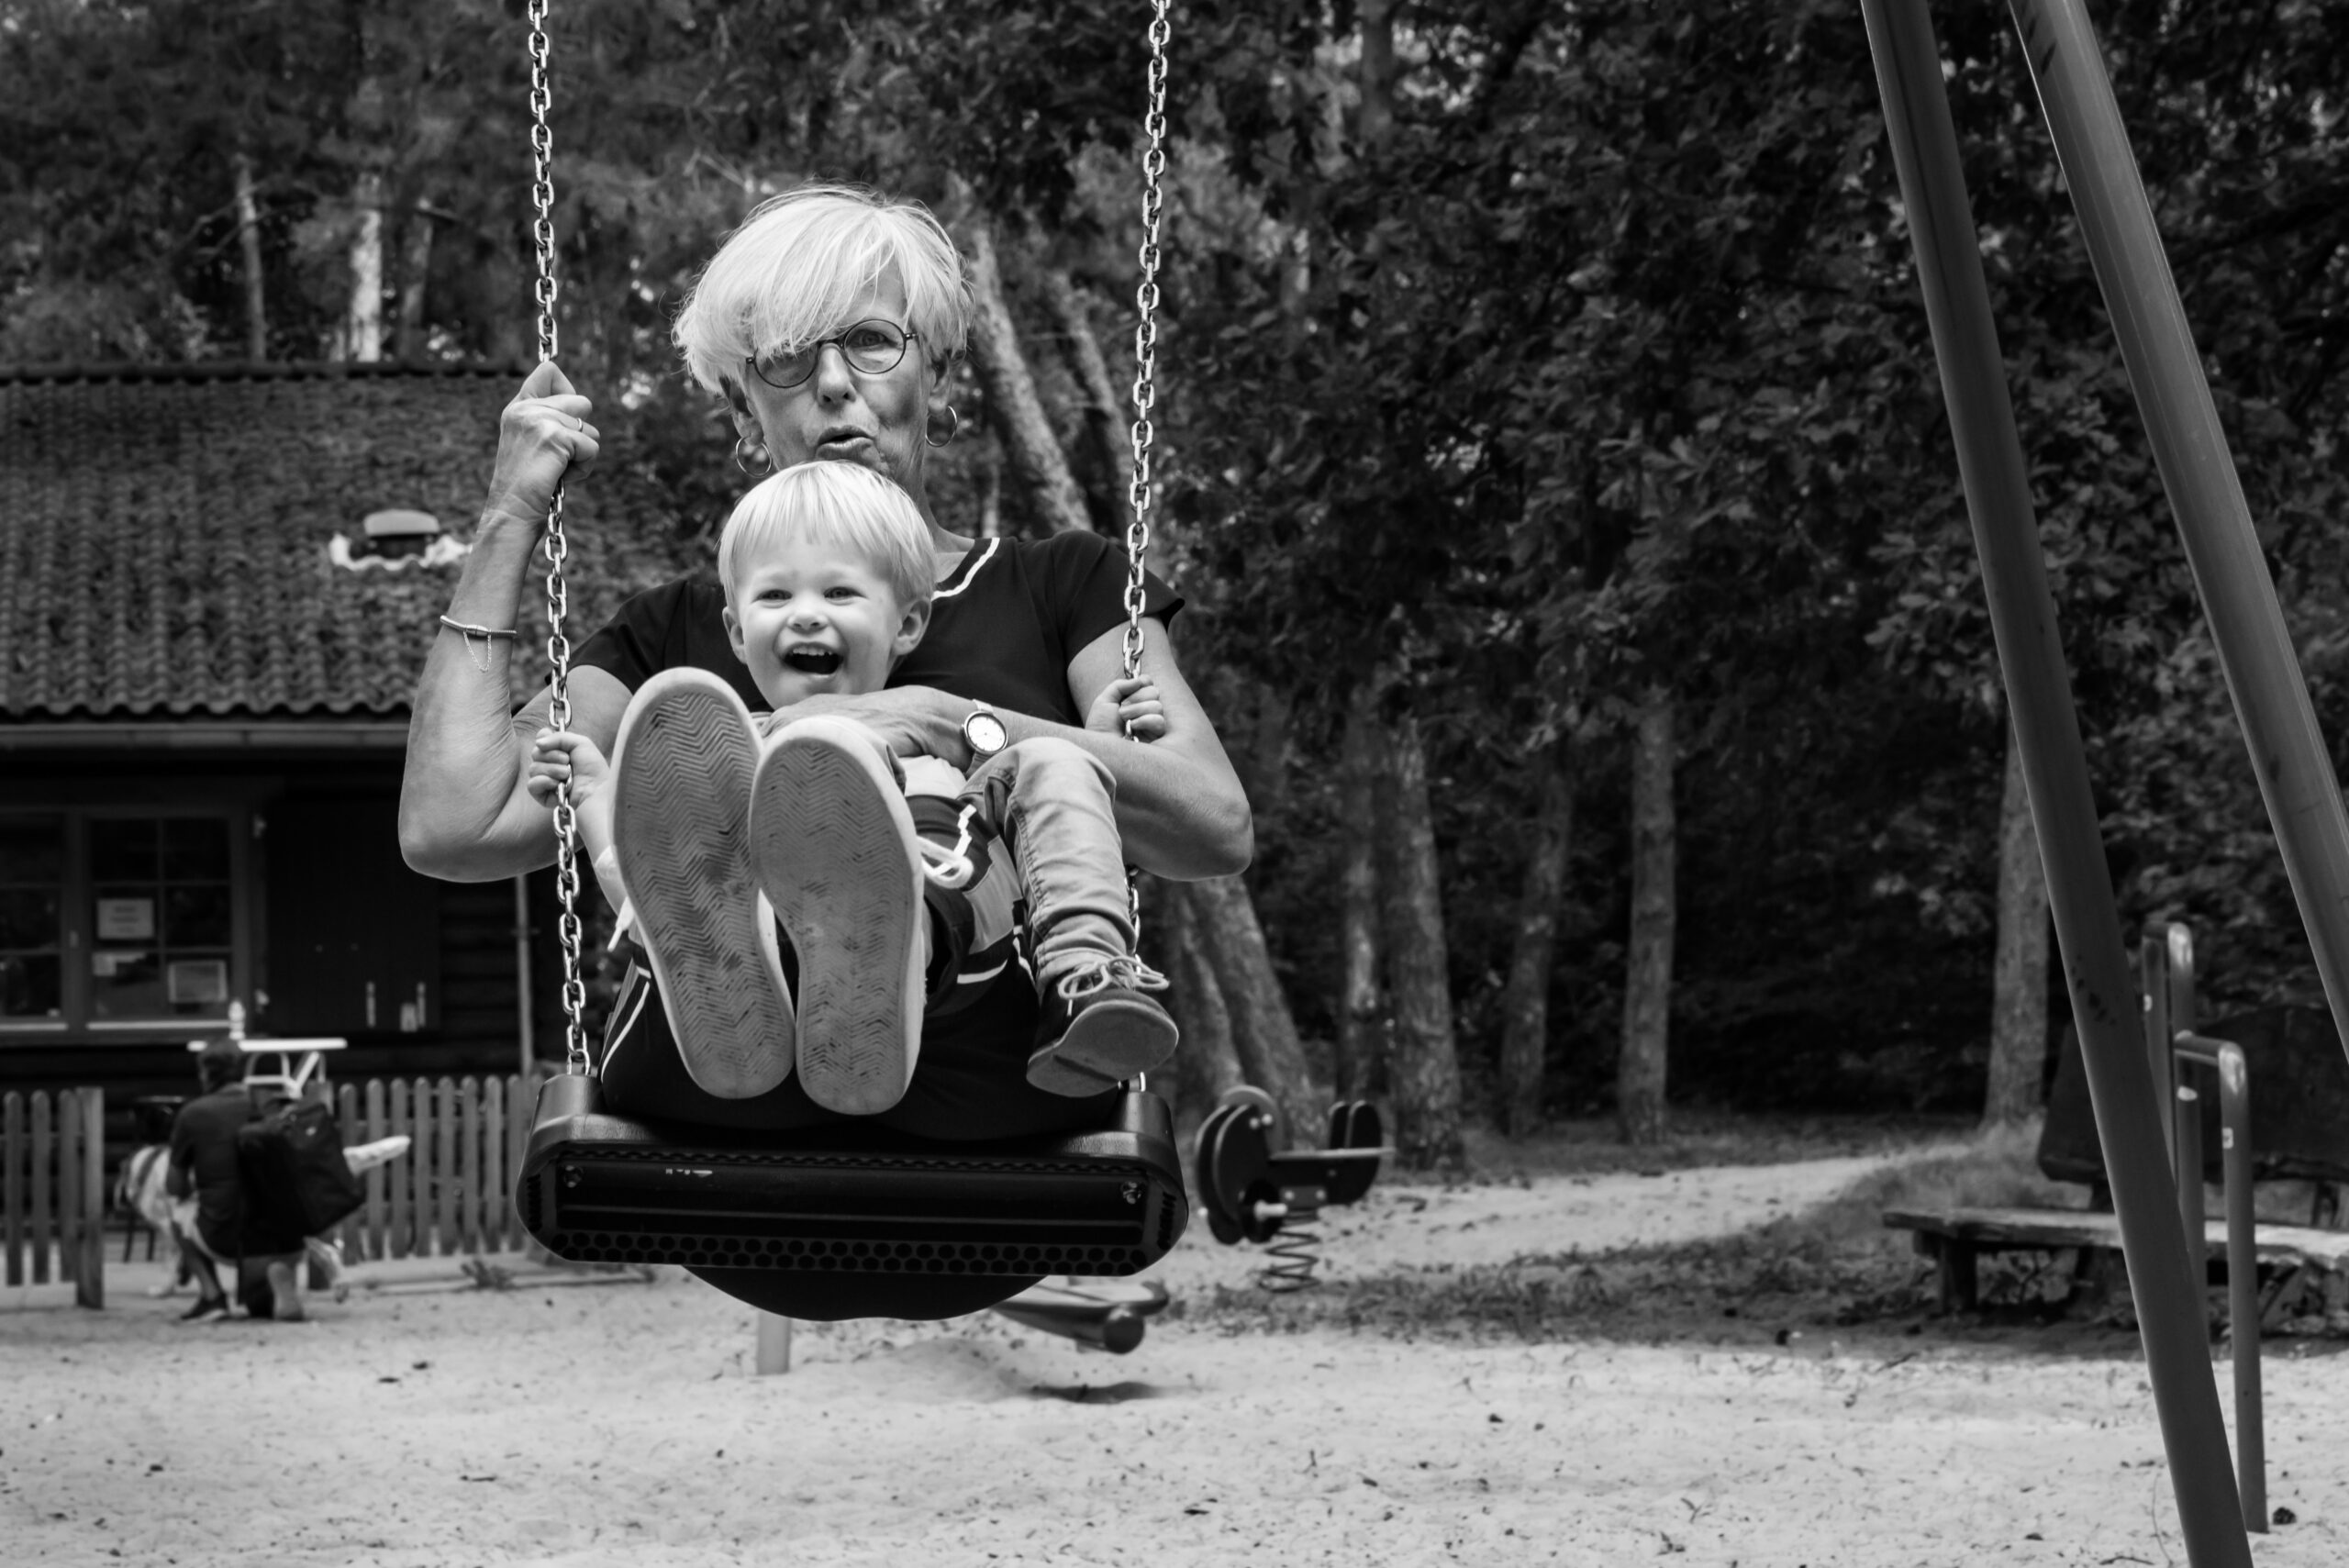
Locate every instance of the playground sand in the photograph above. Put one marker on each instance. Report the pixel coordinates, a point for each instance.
(577, 1423)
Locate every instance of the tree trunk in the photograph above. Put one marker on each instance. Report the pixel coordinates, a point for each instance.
(1224, 919)
(1362, 1010)
(1208, 1062)
(1375, 124)
(1525, 1003)
(249, 240)
(1423, 1061)
(1647, 982)
(990, 467)
(1108, 444)
(362, 322)
(2019, 985)
(1039, 472)
(416, 268)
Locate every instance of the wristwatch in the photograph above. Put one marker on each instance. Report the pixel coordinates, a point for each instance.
(983, 732)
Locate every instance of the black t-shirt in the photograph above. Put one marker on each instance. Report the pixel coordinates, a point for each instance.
(1002, 631)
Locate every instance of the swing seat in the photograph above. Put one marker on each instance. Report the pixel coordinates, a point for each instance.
(845, 1221)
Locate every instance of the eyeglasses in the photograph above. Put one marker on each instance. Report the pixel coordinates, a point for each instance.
(871, 348)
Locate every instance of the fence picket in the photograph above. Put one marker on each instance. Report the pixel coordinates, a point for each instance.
(401, 1171)
(12, 1181)
(487, 1203)
(379, 1174)
(90, 1272)
(444, 1172)
(69, 1187)
(520, 1108)
(44, 1150)
(467, 1231)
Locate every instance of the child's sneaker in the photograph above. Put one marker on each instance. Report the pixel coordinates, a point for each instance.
(1100, 1025)
(681, 793)
(833, 848)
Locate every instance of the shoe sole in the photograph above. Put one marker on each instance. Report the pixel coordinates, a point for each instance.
(832, 846)
(680, 789)
(1106, 1044)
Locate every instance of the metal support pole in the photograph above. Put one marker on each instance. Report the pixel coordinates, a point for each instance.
(2242, 1266)
(2155, 997)
(774, 1356)
(2087, 926)
(2187, 1159)
(2288, 751)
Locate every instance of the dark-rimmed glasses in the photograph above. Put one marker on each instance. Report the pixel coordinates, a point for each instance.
(871, 348)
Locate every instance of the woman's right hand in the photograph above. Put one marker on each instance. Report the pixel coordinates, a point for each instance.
(543, 440)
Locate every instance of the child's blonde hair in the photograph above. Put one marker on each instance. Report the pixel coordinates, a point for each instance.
(841, 506)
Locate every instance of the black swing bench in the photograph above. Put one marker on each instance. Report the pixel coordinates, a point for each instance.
(842, 1221)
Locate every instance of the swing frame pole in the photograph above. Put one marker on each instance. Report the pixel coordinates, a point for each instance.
(2231, 575)
(2128, 1106)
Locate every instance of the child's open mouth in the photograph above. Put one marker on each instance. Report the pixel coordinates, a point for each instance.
(812, 661)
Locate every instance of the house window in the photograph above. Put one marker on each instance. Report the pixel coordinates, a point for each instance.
(162, 932)
(32, 918)
(117, 920)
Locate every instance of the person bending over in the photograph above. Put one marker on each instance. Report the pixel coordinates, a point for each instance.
(826, 568)
(204, 1168)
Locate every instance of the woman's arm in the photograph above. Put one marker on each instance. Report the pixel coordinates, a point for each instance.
(465, 811)
(1180, 807)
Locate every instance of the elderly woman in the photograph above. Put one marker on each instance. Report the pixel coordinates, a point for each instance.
(829, 322)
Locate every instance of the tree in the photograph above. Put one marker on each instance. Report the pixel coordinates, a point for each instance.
(1525, 1006)
(2019, 994)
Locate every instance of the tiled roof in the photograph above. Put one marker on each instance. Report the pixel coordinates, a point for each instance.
(165, 536)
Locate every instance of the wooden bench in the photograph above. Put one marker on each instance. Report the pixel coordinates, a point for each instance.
(1954, 1237)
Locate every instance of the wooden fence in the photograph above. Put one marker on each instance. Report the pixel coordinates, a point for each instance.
(453, 1193)
(53, 1189)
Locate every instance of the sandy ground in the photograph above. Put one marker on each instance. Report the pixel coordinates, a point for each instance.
(560, 1422)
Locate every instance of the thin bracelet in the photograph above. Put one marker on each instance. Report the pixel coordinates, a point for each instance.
(488, 634)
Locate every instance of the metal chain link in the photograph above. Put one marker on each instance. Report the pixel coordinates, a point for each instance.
(1153, 169)
(557, 548)
(1137, 492)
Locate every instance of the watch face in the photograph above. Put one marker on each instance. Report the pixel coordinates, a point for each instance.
(986, 733)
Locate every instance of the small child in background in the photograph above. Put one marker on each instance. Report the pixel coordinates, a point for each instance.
(889, 875)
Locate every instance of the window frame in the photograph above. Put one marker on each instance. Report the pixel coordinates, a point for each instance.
(77, 997)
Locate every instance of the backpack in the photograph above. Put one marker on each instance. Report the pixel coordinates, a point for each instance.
(296, 1179)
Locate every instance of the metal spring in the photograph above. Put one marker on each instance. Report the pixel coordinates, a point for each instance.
(1295, 1248)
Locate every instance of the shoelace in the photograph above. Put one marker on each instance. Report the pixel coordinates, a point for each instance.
(1105, 972)
(950, 868)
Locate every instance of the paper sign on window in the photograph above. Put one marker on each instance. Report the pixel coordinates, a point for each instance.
(125, 919)
(198, 980)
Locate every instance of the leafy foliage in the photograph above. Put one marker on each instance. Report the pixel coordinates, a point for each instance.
(1603, 363)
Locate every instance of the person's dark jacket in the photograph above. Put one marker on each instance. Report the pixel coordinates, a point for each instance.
(204, 1164)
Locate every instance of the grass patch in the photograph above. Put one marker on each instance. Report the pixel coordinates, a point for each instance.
(1701, 1137)
(1833, 1264)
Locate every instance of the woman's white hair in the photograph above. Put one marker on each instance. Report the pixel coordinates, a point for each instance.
(840, 506)
(792, 273)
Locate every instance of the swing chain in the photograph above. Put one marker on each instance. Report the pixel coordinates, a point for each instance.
(1154, 168)
(558, 548)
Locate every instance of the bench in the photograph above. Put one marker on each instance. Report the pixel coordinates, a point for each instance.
(1954, 1237)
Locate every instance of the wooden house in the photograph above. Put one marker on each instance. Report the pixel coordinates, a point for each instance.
(217, 585)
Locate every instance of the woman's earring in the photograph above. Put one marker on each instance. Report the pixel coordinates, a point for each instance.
(739, 461)
(953, 430)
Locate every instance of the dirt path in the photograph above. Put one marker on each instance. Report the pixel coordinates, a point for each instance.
(576, 1425)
